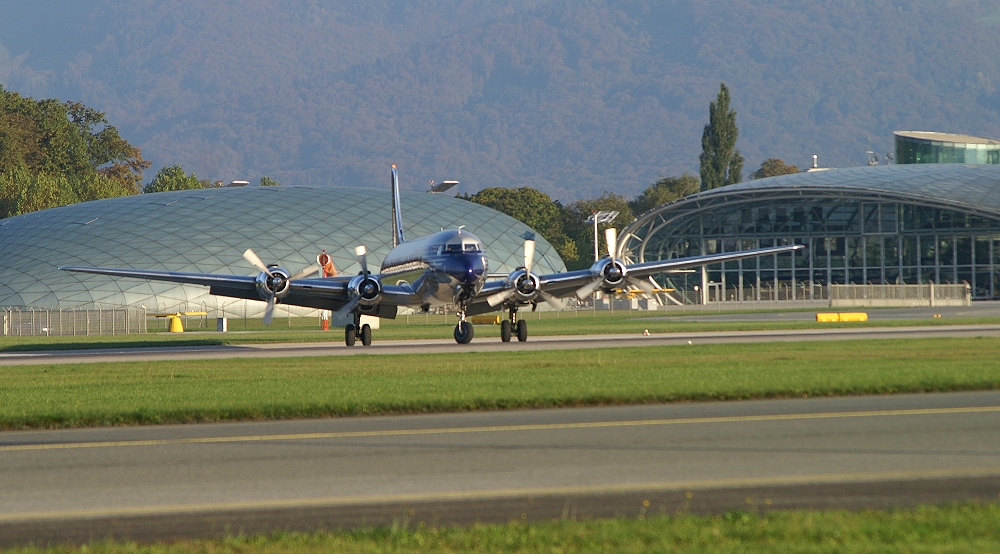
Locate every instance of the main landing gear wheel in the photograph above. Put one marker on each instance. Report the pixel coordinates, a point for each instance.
(350, 334)
(522, 330)
(505, 331)
(463, 332)
(366, 335)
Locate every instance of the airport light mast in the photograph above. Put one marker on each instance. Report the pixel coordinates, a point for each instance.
(600, 217)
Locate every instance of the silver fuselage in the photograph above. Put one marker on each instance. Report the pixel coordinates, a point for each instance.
(443, 268)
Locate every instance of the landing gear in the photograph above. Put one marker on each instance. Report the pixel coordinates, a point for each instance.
(354, 331)
(463, 332)
(513, 325)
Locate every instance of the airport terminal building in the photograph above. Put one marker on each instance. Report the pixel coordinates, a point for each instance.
(894, 224)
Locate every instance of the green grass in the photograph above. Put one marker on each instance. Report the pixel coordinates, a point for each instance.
(251, 389)
(955, 528)
(440, 327)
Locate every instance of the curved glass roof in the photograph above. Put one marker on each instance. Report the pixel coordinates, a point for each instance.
(971, 189)
(206, 231)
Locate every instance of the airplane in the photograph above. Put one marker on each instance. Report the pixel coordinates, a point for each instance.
(447, 268)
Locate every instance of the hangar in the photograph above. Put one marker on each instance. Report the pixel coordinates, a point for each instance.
(207, 230)
(894, 224)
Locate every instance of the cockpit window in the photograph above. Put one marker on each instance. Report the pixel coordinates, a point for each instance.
(467, 247)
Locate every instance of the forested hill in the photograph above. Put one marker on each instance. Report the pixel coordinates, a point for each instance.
(570, 97)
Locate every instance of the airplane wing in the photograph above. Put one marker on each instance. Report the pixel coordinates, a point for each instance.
(329, 293)
(604, 274)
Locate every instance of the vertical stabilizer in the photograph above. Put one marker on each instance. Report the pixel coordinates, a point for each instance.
(397, 213)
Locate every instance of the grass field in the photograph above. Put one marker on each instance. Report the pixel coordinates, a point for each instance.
(954, 528)
(249, 389)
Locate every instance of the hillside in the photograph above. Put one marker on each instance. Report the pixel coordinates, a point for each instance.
(569, 97)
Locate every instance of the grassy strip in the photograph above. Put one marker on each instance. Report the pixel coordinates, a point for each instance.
(248, 389)
(954, 528)
(440, 327)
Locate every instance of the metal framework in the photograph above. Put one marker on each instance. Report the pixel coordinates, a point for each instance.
(862, 225)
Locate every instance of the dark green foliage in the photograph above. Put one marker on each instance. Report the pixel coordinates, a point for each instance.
(667, 189)
(172, 177)
(535, 209)
(721, 162)
(575, 216)
(772, 167)
(266, 181)
(54, 153)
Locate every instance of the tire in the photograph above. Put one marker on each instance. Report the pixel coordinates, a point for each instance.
(366, 335)
(522, 330)
(505, 331)
(350, 335)
(463, 332)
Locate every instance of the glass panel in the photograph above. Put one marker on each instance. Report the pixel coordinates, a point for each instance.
(963, 248)
(909, 250)
(982, 251)
(927, 250)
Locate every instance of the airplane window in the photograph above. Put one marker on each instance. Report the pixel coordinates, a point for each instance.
(453, 248)
(472, 247)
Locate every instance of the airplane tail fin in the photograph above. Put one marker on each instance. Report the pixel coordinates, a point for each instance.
(397, 213)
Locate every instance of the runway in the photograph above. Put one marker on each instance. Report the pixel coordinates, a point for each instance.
(200, 480)
(486, 343)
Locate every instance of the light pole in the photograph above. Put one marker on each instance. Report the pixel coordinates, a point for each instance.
(600, 217)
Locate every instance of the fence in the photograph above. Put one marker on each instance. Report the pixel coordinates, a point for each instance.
(27, 322)
(900, 295)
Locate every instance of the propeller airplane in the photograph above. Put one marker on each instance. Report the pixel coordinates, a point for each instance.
(447, 268)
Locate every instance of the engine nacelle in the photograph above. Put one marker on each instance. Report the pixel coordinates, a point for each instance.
(611, 271)
(274, 283)
(526, 285)
(369, 289)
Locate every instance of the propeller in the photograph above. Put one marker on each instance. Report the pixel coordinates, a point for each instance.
(611, 238)
(252, 257)
(529, 259)
(360, 254)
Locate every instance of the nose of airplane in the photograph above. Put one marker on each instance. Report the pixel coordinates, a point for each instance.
(475, 268)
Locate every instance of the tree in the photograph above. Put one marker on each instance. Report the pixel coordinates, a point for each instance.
(266, 181)
(574, 221)
(721, 162)
(772, 167)
(667, 189)
(172, 177)
(535, 209)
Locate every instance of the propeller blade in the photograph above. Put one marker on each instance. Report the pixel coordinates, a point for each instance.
(644, 286)
(529, 254)
(361, 253)
(269, 311)
(498, 298)
(346, 308)
(552, 301)
(611, 237)
(304, 273)
(254, 260)
(588, 289)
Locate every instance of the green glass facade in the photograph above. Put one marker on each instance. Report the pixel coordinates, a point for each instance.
(939, 148)
(878, 225)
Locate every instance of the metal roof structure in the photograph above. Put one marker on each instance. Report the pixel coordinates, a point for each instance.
(207, 230)
(971, 189)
